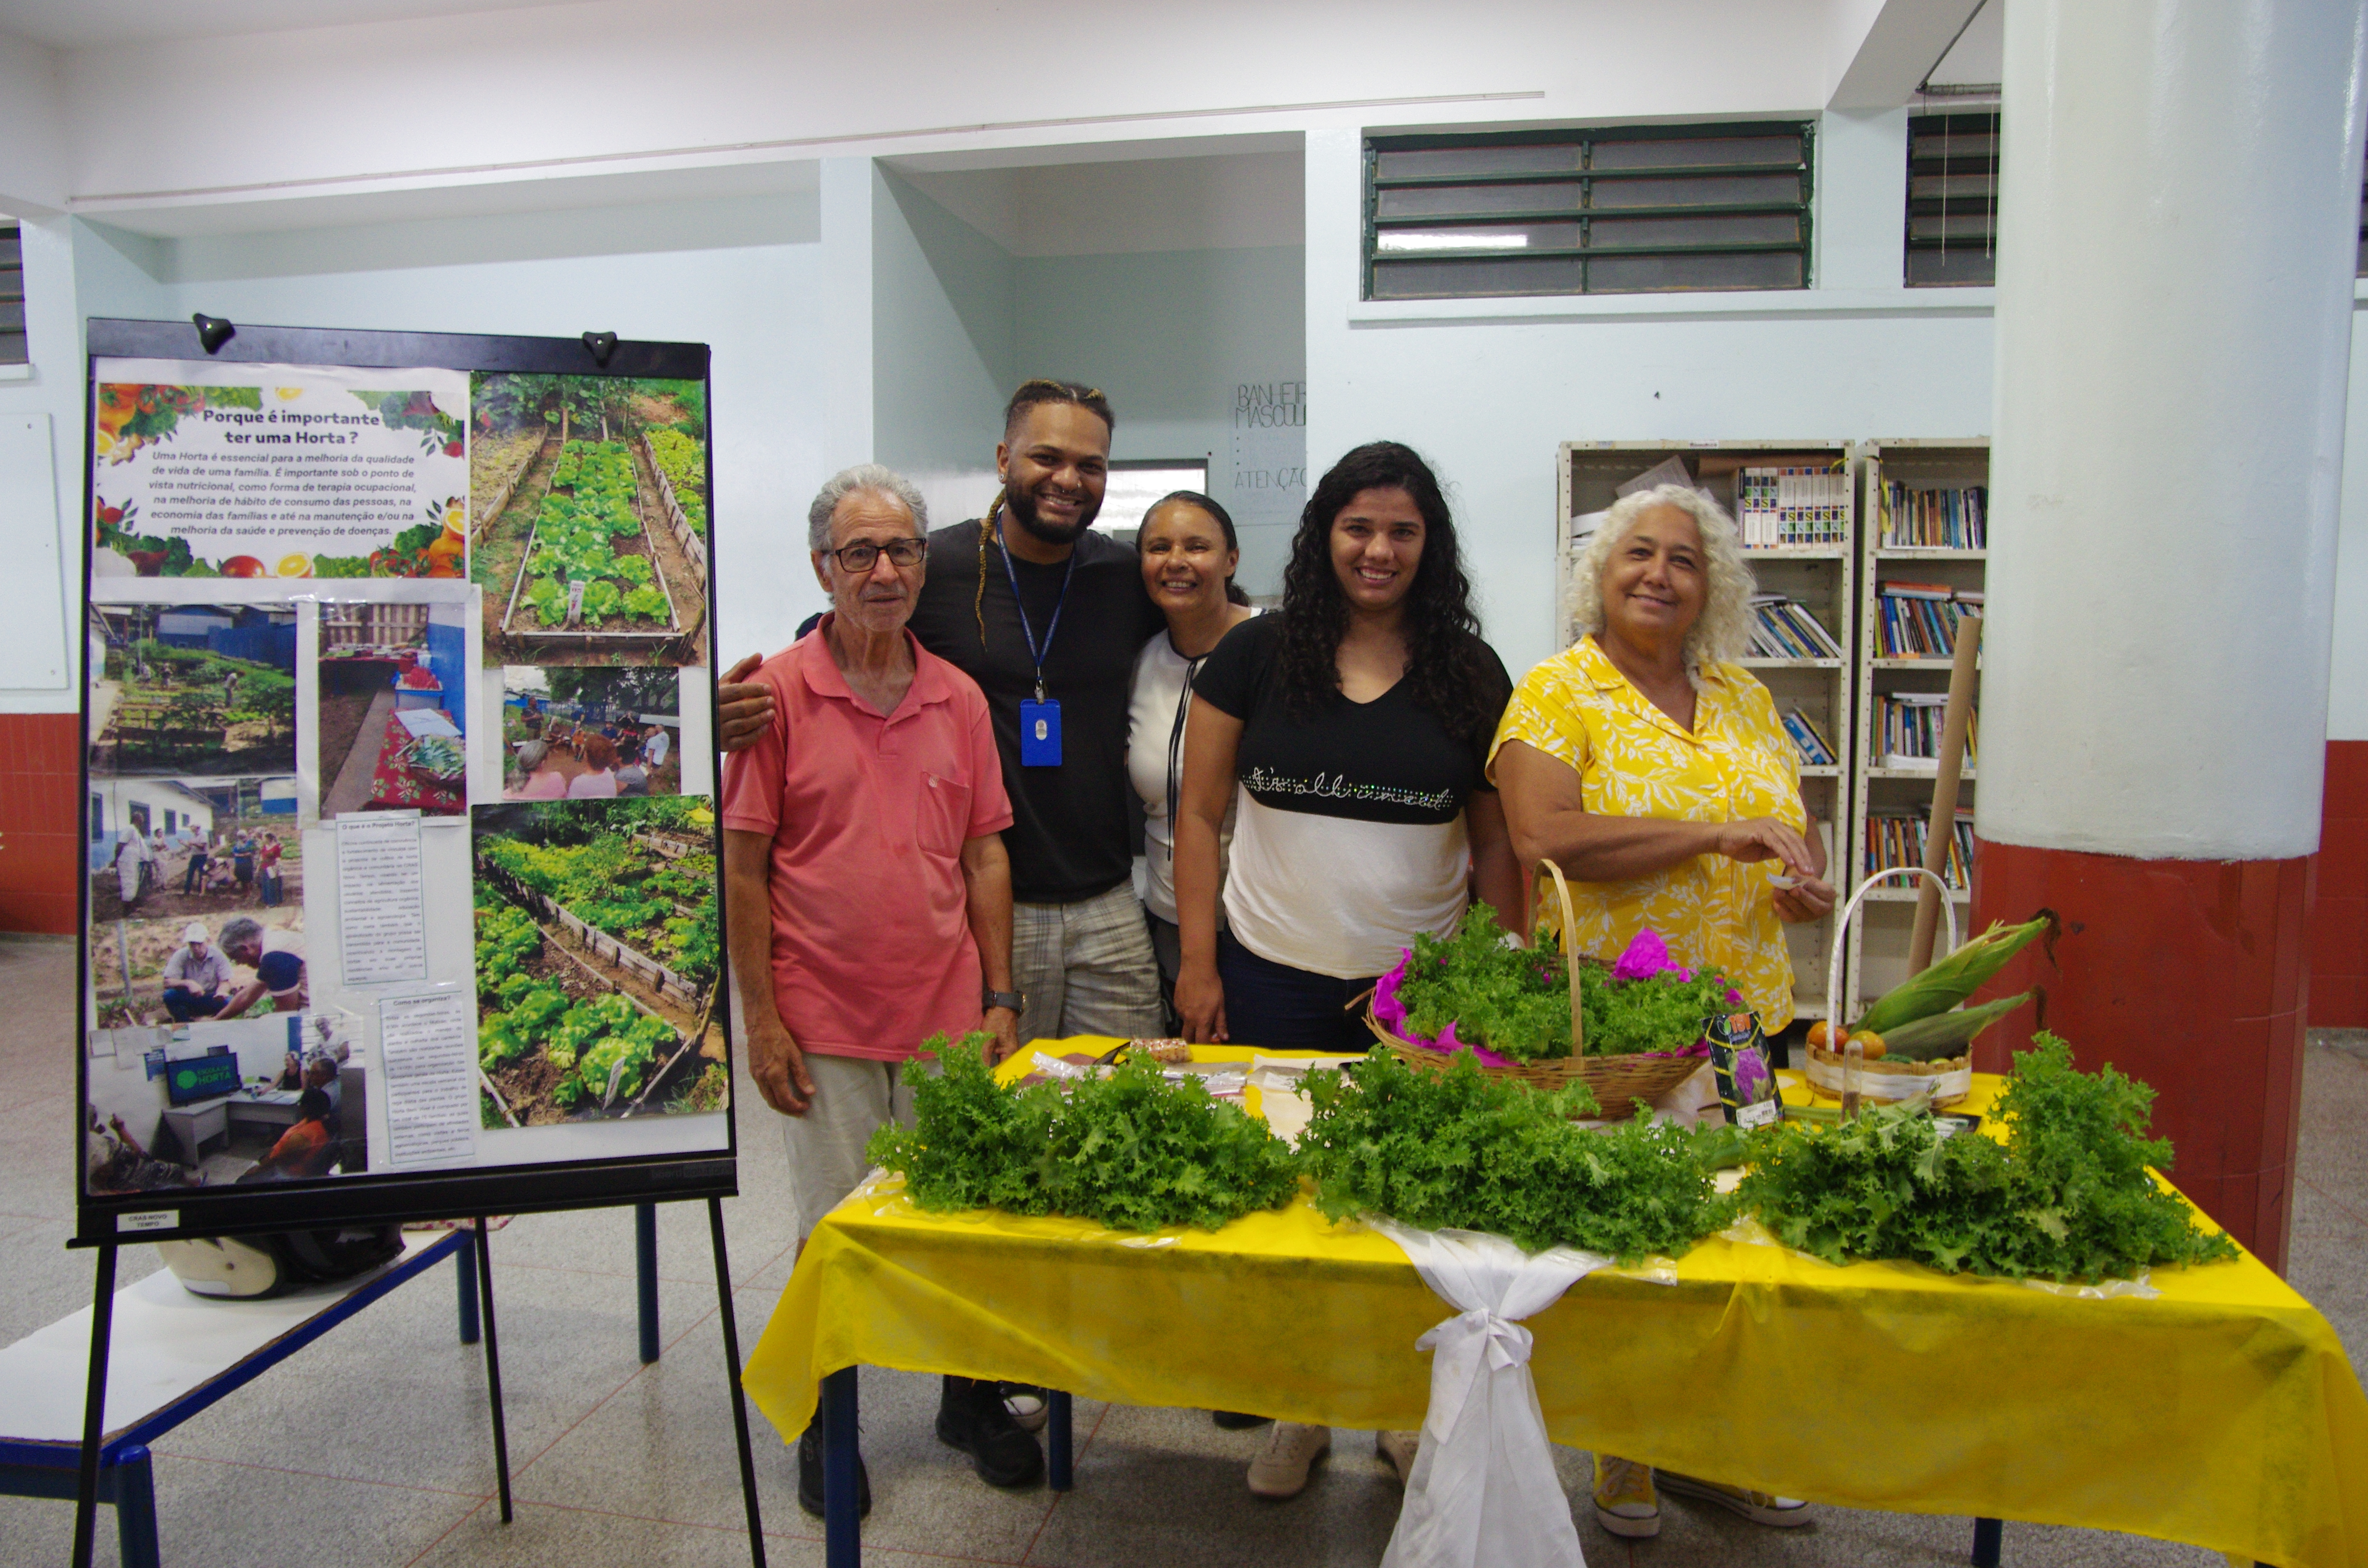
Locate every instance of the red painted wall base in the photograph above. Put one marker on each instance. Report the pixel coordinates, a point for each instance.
(40, 822)
(2189, 975)
(2339, 919)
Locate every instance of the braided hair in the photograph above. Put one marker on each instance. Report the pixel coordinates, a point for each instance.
(1445, 673)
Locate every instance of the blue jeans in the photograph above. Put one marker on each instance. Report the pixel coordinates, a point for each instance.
(186, 1004)
(1283, 1008)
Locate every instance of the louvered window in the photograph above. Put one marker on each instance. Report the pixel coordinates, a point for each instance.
(1613, 209)
(1952, 183)
(12, 294)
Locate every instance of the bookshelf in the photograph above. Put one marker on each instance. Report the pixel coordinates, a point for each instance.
(1934, 550)
(1819, 577)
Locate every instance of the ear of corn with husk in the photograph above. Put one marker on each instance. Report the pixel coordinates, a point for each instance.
(1939, 1035)
(1951, 980)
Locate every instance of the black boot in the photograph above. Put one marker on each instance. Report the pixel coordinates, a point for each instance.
(971, 1417)
(810, 1473)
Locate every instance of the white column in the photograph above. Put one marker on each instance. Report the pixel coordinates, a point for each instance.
(2178, 221)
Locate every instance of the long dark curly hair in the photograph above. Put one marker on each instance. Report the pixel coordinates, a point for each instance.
(1444, 669)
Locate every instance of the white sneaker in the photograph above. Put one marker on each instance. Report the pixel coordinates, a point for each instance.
(1281, 1467)
(1024, 1402)
(1759, 1508)
(1624, 1501)
(1399, 1449)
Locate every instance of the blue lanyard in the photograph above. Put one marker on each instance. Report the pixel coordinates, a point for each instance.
(1038, 654)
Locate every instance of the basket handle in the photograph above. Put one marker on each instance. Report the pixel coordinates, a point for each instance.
(1841, 930)
(1570, 953)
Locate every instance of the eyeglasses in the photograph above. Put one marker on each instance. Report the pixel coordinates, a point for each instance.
(863, 557)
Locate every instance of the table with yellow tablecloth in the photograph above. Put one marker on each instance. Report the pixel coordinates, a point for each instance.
(2221, 1413)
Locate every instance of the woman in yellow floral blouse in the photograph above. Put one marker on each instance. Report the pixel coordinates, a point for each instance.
(1653, 771)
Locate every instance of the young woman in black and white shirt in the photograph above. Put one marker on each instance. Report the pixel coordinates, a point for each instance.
(1356, 724)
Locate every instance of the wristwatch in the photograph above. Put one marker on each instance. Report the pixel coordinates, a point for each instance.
(1016, 1001)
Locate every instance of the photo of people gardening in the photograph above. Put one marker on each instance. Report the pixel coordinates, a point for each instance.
(176, 970)
(583, 734)
(205, 690)
(588, 518)
(392, 713)
(160, 848)
(598, 945)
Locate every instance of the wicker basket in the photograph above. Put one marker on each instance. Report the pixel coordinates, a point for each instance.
(1948, 1081)
(1885, 1080)
(1614, 1081)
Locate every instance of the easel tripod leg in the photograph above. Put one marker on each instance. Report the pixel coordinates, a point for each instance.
(464, 1270)
(842, 1534)
(1059, 1472)
(493, 1364)
(132, 1480)
(645, 1271)
(731, 1373)
(94, 1414)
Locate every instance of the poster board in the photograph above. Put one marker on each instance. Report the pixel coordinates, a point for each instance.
(402, 895)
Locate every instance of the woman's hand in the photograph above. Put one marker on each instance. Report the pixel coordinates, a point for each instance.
(1810, 898)
(1765, 838)
(1200, 1003)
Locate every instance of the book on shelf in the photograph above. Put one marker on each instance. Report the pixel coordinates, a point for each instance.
(1907, 726)
(1931, 519)
(1809, 740)
(1782, 629)
(1896, 839)
(1918, 620)
(1778, 506)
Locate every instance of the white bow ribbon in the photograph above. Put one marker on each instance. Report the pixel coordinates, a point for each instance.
(1484, 1489)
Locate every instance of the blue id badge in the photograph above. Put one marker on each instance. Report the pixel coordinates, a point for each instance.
(1040, 733)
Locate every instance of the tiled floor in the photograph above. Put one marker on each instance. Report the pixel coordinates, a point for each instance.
(372, 1447)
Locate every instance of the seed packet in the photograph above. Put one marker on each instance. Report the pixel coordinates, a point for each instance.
(1747, 1090)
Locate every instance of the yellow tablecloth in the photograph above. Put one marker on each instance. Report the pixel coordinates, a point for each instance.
(2222, 1414)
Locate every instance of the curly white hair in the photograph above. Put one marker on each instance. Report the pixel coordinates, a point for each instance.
(1723, 631)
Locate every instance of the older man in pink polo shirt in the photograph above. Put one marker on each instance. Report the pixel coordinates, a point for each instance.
(868, 894)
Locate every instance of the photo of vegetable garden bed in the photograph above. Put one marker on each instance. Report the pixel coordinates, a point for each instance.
(589, 512)
(599, 950)
(202, 690)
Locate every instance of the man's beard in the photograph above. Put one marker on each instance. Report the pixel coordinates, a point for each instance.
(1023, 511)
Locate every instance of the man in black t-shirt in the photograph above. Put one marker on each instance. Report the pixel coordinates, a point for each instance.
(1030, 593)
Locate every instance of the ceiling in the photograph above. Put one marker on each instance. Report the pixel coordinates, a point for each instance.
(80, 24)
(1977, 60)
(1123, 197)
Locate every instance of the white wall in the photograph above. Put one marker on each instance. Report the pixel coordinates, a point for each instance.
(944, 335)
(1487, 388)
(33, 127)
(408, 102)
(2347, 693)
(1171, 336)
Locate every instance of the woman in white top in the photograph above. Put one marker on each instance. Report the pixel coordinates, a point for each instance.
(1189, 552)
